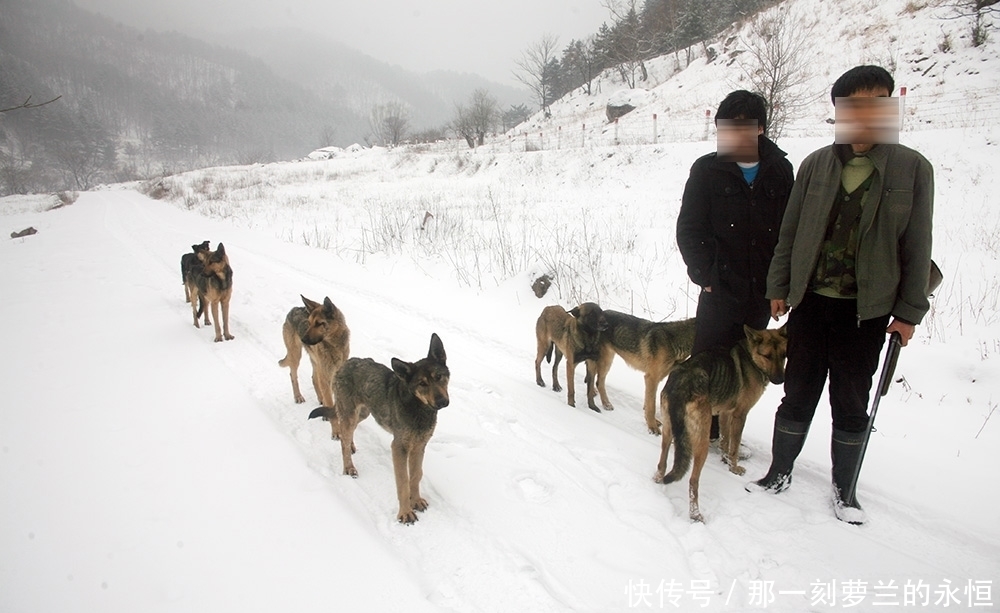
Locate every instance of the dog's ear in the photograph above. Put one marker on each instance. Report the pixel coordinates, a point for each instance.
(436, 350)
(402, 369)
(329, 309)
(753, 336)
(220, 251)
(195, 248)
(310, 305)
(575, 312)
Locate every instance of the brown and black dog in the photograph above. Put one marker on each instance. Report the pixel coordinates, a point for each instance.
(574, 334)
(188, 261)
(322, 330)
(653, 348)
(404, 400)
(722, 382)
(212, 282)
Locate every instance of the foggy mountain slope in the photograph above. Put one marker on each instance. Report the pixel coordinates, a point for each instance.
(164, 96)
(141, 103)
(337, 72)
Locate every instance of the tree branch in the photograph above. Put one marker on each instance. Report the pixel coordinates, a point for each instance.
(28, 105)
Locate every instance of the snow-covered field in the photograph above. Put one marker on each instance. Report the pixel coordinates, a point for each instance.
(146, 468)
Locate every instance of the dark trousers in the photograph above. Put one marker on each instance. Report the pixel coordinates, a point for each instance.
(719, 322)
(826, 338)
(720, 318)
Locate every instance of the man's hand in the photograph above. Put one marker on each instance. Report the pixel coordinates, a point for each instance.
(778, 308)
(905, 330)
(708, 289)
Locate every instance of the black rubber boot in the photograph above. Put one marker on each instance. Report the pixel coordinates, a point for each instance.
(787, 442)
(845, 450)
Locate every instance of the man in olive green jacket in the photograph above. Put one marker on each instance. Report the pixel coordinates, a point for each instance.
(854, 250)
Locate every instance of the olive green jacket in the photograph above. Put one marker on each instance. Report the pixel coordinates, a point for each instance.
(894, 244)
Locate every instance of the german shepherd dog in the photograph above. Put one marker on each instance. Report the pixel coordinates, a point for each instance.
(652, 348)
(212, 282)
(322, 330)
(404, 400)
(188, 260)
(575, 335)
(716, 382)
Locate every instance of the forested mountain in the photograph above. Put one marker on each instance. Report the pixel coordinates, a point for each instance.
(133, 104)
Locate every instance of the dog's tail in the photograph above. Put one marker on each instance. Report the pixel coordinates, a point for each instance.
(678, 392)
(324, 412)
(548, 354)
(201, 305)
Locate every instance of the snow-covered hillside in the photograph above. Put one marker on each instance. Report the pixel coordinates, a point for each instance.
(145, 468)
(949, 83)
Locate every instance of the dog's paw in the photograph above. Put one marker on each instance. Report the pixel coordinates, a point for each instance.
(593, 407)
(540, 383)
(351, 472)
(230, 337)
(609, 407)
(299, 399)
(658, 476)
(556, 387)
(419, 504)
(736, 469)
(407, 517)
(698, 517)
(654, 429)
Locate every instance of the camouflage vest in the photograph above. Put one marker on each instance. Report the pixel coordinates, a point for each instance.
(835, 271)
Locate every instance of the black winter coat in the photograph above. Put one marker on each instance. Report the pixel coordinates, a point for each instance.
(726, 229)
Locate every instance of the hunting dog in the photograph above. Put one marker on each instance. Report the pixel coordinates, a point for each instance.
(651, 348)
(573, 334)
(212, 282)
(719, 382)
(189, 260)
(322, 330)
(404, 400)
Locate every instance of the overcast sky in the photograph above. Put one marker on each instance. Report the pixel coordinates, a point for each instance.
(479, 36)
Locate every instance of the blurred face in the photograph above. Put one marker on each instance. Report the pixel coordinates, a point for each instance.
(737, 140)
(867, 118)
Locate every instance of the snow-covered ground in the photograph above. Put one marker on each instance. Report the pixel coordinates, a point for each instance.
(145, 468)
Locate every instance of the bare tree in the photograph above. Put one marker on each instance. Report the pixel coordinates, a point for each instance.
(327, 136)
(535, 70)
(776, 66)
(389, 123)
(479, 118)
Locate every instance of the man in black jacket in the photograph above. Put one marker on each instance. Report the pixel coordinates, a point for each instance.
(728, 223)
